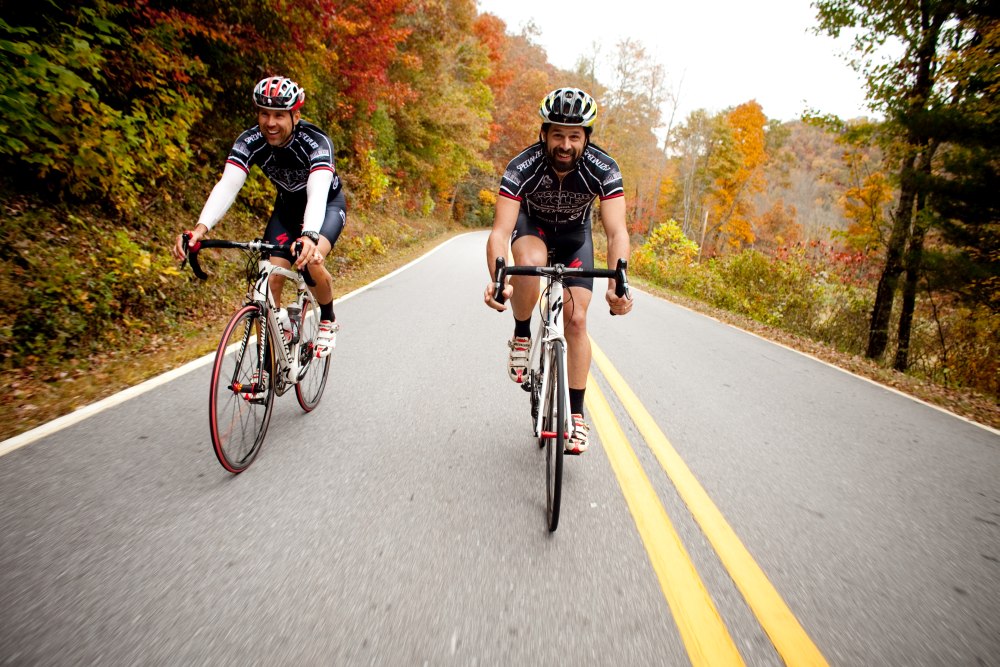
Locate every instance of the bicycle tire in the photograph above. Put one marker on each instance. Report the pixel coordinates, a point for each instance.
(239, 408)
(555, 443)
(312, 379)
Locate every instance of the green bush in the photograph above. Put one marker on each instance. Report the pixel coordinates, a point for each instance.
(778, 293)
(73, 113)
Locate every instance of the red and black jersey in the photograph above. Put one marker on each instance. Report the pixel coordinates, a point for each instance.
(531, 180)
(289, 166)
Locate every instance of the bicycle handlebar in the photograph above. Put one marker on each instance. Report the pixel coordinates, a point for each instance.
(257, 245)
(559, 271)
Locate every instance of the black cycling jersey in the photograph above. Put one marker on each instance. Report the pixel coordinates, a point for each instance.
(565, 203)
(289, 166)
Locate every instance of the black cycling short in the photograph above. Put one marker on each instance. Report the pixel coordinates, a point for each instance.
(285, 225)
(571, 247)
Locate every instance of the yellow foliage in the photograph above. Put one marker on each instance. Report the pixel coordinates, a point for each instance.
(734, 188)
(487, 197)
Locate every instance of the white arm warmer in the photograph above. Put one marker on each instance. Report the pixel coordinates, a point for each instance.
(317, 190)
(223, 195)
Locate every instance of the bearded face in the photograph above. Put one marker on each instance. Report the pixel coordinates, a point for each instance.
(564, 145)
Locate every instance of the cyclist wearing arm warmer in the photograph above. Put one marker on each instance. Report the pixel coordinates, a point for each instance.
(310, 206)
(546, 201)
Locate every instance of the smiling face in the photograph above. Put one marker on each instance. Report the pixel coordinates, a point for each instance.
(564, 145)
(277, 126)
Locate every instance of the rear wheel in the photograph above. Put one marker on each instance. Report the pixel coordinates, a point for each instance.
(242, 392)
(312, 377)
(554, 432)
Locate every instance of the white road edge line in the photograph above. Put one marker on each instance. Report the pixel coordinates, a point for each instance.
(87, 411)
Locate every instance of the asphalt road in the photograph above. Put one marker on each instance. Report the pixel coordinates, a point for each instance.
(402, 522)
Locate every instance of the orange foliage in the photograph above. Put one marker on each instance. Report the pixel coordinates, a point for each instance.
(732, 205)
(778, 227)
(520, 77)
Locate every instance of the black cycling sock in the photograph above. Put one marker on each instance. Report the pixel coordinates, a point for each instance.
(576, 400)
(522, 328)
(326, 312)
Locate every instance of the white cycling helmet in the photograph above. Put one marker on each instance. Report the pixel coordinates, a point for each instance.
(568, 106)
(278, 93)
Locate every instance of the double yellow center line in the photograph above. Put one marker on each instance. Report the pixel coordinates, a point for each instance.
(702, 630)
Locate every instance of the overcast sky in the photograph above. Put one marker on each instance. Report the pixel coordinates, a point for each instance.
(720, 53)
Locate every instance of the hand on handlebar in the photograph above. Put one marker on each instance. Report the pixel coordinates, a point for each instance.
(194, 236)
(508, 290)
(620, 296)
(309, 253)
(620, 305)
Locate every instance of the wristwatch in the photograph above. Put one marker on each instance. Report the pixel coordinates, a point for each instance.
(312, 236)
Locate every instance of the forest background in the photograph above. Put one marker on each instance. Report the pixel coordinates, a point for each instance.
(876, 240)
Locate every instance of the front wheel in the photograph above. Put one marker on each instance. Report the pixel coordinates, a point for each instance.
(242, 392)
(554, 423)
(312, 377)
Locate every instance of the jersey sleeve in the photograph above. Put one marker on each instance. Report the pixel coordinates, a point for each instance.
(241, 154)
(518, 171)
(320, 151)
(611, 185)
(510, 185)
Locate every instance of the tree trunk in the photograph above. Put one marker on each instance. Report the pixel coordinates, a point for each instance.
(918, 99)
(885, 293)
(914, 256)
(914, 261)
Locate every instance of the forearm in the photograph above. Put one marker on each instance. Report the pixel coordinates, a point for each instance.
(618, 248)
(503, 226)
(496, 246)
(616, 230)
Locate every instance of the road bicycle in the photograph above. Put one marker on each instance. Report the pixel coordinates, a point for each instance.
(257, 358)
(546, 380)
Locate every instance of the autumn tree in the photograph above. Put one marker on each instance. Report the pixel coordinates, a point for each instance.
(698, 149)
(867, 192)
(777, 227)
(629, 114)
(909, 91)
(520, 76)
(444, 132)
(732, 208)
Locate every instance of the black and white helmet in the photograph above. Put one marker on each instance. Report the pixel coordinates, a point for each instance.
(568, 106)
(278, 93)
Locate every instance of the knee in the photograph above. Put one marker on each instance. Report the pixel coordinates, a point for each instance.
(576, 323)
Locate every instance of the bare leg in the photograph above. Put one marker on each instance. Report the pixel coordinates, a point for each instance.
(527, 251)
(577, 340)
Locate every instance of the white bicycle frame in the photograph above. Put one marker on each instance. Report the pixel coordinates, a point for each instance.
(551, 329)
(287, 356)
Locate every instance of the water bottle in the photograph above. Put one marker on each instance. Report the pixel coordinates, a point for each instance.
(294, 311)
(285, 323)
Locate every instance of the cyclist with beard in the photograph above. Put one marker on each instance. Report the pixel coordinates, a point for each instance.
(546, 201)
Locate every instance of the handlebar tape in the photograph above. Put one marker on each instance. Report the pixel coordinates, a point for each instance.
(191, 252)
(498, 281)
